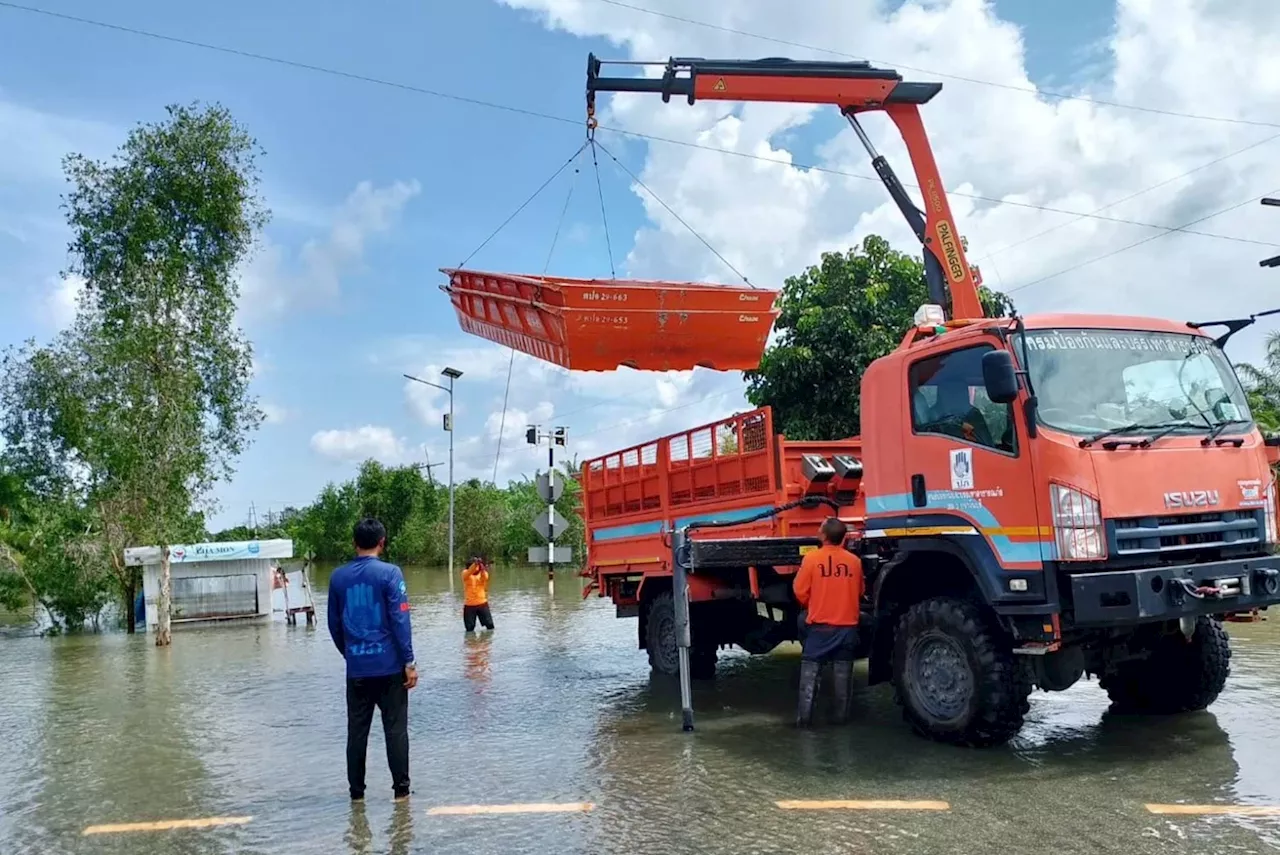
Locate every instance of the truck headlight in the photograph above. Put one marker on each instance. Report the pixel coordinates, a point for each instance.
(1077, 524)
(1270, 512)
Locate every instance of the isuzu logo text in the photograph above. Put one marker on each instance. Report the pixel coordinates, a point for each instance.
(1192, 499)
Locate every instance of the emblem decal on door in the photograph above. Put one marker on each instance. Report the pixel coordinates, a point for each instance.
(962, 469)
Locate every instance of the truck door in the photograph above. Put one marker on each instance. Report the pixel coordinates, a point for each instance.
(968, 463)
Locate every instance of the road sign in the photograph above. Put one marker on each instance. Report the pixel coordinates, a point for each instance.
(538, 555)
(550, 486)
(550, 524)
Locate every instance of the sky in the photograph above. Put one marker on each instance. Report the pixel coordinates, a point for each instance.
(399, 135)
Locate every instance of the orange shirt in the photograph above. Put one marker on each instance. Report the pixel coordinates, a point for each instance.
(829, 585)
(475, 586)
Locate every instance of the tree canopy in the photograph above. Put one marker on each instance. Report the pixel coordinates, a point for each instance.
(133, 413)
(488, 520)
(836, 318)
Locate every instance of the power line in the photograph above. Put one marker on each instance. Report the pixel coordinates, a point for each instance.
(1029, 90)
(1134, 195)
(449, 96)
(1135, 244)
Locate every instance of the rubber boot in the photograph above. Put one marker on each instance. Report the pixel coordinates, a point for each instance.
(842, 689)
(809, 672)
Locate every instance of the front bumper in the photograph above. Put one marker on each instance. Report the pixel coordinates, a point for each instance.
(1126, 597)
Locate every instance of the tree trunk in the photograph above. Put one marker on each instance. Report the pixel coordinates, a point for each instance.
(163, 608)
(130, 613)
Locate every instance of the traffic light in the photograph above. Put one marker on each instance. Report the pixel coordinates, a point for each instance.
(560, 436)
(448, 422)
(531, 435)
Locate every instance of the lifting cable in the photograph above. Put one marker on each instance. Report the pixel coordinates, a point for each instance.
(591, 138)
(672, 212)
(564, 209)
(604, 217)
(524, 205)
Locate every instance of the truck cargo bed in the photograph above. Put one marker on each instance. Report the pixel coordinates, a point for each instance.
(725, 471)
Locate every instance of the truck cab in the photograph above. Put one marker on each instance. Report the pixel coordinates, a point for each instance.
(1091, 488)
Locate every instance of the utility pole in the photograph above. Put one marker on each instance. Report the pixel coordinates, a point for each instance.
(549, 523)
(1274, 261)
(453, 374)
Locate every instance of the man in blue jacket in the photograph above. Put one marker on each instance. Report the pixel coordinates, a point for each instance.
(369, 623)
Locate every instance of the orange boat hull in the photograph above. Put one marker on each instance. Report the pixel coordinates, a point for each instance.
(604, 324)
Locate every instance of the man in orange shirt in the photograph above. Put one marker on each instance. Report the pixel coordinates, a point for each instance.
(475, 595)
(829, 588)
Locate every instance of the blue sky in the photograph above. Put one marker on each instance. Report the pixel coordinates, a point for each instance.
(374, 187)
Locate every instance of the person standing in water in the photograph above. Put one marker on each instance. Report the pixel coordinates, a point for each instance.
(828, 587)
(475, 595)
(369, 622)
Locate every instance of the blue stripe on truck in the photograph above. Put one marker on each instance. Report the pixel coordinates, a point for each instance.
(657, 526)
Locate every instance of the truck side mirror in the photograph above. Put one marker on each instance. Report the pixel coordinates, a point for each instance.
(1000, 377)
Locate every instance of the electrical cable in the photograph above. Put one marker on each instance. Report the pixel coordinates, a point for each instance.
(1134, 195)
(577, 123)
(1029, 90)
(1145, 240)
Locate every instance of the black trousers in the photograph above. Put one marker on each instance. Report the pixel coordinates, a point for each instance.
(820, 642)
(391, 697)
(470, 613)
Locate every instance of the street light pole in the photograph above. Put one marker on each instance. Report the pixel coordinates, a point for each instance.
(453, 374)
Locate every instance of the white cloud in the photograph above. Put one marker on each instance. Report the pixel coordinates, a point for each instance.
(359, 444)
(515, 422)
(273, 413)
(33, 142)
(272, 281)
(773, 219)
(62, 300)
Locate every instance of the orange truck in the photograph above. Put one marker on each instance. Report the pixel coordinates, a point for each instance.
(1036, 498)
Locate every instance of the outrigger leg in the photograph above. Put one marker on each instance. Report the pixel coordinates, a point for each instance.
(680, 593)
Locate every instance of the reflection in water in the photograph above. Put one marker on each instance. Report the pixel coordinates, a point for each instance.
(400, 829)
(478, 647)
(558, 705)
(359, 836)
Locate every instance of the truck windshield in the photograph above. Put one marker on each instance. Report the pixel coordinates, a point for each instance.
(1091, 380)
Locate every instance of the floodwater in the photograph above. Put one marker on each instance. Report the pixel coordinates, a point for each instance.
(556, 706)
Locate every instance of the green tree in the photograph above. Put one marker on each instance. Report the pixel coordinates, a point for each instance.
(144, 405)
(836, 319)
(1262, 384)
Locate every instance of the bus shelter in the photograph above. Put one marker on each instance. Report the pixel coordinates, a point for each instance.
(211, 581)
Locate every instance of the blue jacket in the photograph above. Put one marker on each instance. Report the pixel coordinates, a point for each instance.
(369, 617)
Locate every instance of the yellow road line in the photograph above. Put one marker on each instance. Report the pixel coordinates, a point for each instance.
(1218, 810)
(474, 810)
(168, 824)
(873, 804)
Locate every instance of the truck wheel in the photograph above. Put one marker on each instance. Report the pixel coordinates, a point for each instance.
(954, 677)
(660, 640)
(1178, 676)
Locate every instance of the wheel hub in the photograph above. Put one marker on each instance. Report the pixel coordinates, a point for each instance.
(941, 675)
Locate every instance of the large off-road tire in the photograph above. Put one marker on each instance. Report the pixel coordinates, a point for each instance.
(955, 675)
(660, 641)
(1178, 675)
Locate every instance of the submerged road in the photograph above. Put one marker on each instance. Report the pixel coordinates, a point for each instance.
(547, 736)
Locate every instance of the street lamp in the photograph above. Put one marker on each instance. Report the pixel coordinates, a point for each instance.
(452, 374)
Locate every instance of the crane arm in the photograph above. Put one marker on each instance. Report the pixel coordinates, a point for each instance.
(854, 87)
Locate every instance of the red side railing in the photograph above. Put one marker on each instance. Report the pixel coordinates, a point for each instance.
(722, 462)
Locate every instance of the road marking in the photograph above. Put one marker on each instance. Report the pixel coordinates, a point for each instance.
(474, 810)
(874, 804)
(168, 824)
(1238, 810)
